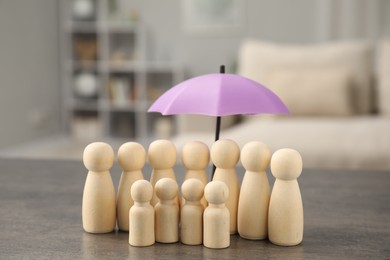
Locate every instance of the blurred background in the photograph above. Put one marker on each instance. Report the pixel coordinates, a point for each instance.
(77, 71)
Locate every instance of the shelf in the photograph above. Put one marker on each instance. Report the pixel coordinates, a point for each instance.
(86, 126)
(109, 105)
(162, 66)
(83, 104)
(140, 66)
(81, 27)
(118, 67)
(114, 51)
(102, 26)
(105, 66)
(89, 65)
(137, 106)
(122, 108)
(85, 48)
(125, 66)
(123, 124)
(160, 126)
(120, 27)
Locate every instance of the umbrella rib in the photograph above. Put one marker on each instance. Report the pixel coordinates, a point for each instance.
(218, 102)
(170, 102)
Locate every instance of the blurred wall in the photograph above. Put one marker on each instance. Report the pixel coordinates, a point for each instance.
(29, 70)
(298, 21)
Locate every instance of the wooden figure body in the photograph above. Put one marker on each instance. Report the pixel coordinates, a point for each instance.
(216, 223)
(285, 219)
(99, 207)
(196, 157)
(191, 214)
(166, 211)
(225, 155)
(253, 203)
(131, 158)
(162, 157)
(141, 215)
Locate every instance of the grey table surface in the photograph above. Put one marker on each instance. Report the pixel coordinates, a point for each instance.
(347, 216)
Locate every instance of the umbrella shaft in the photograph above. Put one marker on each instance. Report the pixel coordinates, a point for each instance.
(217, 128)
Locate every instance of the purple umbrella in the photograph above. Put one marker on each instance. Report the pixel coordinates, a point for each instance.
(219, 95)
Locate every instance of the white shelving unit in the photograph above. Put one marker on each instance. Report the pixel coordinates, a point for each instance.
(112, 55)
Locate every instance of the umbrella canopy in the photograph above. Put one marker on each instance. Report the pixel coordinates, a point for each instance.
(219, 95)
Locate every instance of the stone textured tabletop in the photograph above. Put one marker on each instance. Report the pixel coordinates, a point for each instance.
(347, 216)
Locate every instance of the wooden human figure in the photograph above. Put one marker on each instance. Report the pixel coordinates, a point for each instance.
(285, 218)
(253, 203)
(191, 214)
(225, 155)
(216, 223)
(196, 157)
(162, 157)
(98, 206)
(131, 158)
(141, 215)
(167, 211)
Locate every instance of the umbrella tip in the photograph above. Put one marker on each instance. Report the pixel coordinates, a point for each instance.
(222, 69)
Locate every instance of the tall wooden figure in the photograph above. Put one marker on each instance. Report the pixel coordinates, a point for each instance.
(216, 221)
(167, 211)
(252, 218)
(196, 157)
(162, 156)
(191, 214)
(285, 219)
(141, 215)
(131, 158)
(225, 155)
(99, 207)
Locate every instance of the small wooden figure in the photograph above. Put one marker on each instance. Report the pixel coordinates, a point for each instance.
(98, 208)
(191, 214)
(252, 217)
(167, 211)
(141, 215)
(216, 221)
(196, 157)
(131, 158)
(225, 155)
(285, 219)
(162, 156)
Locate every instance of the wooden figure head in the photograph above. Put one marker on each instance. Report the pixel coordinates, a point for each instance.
(216, 192)
(192, 190)
(255, 156)
(225, 154)
(162, 154)
(286, 164)
(98, 157)
(166, 189)
(131, 156)
(195, 155)
(141, 191)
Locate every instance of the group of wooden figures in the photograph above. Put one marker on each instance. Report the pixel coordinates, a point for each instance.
(208, 212)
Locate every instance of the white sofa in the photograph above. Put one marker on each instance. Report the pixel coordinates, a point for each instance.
(340, 120)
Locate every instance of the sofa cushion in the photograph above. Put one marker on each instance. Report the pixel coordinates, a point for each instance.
(358, 142)
(256, 57)
(383, 94)
(325, 92)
